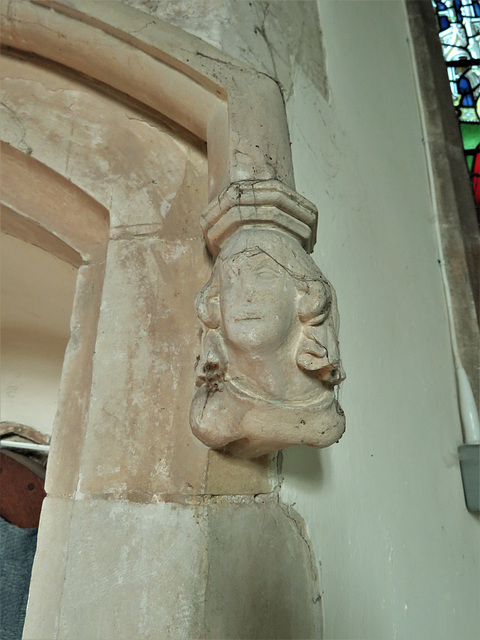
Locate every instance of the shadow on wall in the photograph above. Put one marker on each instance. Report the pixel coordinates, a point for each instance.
(307, 467)
(262, 579)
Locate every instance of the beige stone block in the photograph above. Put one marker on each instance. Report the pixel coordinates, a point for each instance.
(229, 568)
(134, 571)
(46, 587)
(229, 476)
(75, 386)
(138, 443)
(262, 581)
(252, 202)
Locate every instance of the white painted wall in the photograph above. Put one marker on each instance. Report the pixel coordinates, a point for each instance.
(399, 552)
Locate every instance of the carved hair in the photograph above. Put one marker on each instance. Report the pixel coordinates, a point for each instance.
(317, 351)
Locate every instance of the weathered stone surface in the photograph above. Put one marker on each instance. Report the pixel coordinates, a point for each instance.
(138, 443)
(262, 581)
(48, 574)
(276, 38)
(229, 568)
(227, 475)
(134, 571)
(142, 370)
(257, 145)
(266, 202)
(270, 358)
(128, 160)
(51, 206)
(75, 387)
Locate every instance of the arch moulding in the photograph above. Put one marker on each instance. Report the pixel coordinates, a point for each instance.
(236, 110)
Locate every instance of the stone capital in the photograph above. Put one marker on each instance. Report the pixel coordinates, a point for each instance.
(259, 202)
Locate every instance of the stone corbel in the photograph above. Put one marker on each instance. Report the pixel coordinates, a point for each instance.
(269, 361)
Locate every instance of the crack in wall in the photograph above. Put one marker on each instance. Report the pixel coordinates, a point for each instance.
(22, 143)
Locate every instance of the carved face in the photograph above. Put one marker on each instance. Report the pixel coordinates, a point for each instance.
(257, 301)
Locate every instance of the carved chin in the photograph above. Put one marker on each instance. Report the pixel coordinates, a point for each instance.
(255, 333)
(248, 332)
(232, 422)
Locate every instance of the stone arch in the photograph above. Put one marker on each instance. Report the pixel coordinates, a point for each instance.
(52, 213)
(237, 111)
(99, 171)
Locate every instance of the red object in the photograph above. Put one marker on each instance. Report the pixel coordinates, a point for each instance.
(476, 178)
(21, 493)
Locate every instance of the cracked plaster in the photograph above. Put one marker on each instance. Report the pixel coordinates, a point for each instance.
(60, 121)
(272, 37)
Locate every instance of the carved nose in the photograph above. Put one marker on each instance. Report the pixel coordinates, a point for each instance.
(249, 291)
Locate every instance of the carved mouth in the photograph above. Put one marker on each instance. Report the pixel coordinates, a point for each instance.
(247, 318)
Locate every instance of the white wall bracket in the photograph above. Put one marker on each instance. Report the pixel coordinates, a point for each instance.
(469, 455)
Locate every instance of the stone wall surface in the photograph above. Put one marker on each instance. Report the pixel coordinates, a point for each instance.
(276, 38)
(147, 337)
(217, 568)
(134, 541)
(105, 145)
(262, 579)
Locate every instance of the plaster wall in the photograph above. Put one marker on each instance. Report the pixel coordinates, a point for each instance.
(399, 552)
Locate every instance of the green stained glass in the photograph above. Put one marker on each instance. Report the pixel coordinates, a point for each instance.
(471, 139)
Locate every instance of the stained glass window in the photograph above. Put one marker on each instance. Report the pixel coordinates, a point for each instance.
(459, 26)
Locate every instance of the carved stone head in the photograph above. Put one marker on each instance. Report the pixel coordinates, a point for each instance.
(269, 348)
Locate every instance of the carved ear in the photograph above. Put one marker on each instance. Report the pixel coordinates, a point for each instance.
(318, 352)
(314, 302)
(207, 304)
(311, 354)
(310, 360)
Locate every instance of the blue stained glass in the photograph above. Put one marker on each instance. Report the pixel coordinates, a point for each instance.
(466, 92)
(459, 27)
(443, 22)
